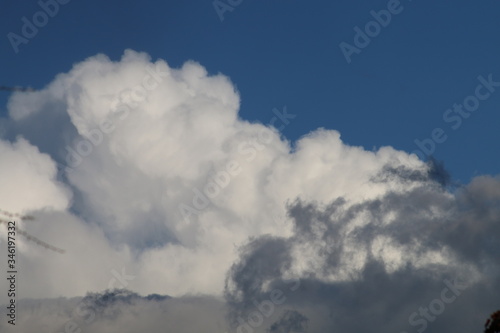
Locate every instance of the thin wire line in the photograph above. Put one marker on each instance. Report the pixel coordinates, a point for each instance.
(26, 234)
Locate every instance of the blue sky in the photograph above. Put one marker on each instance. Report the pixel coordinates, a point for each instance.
(281, 53)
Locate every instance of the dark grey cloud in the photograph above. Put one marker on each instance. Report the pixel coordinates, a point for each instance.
(435, 172)
(291, 321)
(416, 294)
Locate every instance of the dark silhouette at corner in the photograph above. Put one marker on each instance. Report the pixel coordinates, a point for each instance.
(493, 323)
